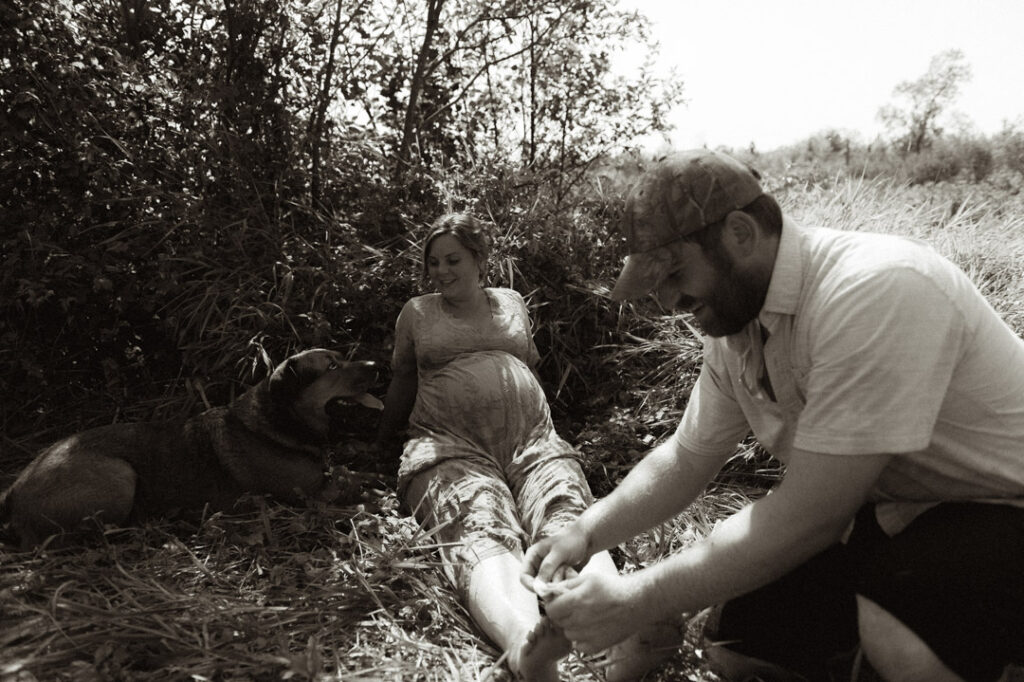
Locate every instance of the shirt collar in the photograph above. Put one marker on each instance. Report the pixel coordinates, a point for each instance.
(787, 276)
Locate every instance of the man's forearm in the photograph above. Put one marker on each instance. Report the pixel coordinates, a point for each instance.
(660, 486)
(741, 554)
(807, 512)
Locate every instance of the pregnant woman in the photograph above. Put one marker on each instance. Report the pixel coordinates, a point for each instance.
(482, 465)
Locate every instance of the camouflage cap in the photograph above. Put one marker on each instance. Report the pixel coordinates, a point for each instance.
(682, 193)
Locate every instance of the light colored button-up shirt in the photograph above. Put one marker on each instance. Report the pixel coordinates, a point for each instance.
(876, 344)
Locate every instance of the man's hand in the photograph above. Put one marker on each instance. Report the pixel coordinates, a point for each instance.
(598, 610)
(548, 560)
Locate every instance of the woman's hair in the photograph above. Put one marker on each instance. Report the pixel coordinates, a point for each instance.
(471, 233)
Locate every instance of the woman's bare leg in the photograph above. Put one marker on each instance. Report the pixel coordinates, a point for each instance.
(509, 614)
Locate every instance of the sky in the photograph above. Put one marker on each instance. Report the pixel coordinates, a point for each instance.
(775, 72)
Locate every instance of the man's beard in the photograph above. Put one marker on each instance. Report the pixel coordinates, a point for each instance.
(737, 299)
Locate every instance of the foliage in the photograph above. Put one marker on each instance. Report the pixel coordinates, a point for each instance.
(822, 159)
(193, 184)
(1010, 143)
(528, 76)
(935, 165)
(915, 122)
(979, 157)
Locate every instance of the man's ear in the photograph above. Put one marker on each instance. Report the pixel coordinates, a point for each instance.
(741, 235)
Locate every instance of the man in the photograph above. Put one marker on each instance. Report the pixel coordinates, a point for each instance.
(894, 394)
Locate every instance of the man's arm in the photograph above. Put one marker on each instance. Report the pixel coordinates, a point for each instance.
(664, 483)
(809, 510)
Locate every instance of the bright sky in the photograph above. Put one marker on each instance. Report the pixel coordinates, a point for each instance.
(777, 71)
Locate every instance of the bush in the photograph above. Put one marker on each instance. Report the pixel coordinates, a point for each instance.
(978, 158)
(934, 165)
(157, 240)
(1011, 149)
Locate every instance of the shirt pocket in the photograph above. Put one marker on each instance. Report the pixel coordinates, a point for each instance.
(789, 380)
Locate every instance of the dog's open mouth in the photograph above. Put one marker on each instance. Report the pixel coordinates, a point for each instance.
(356, 414)
(363, 400)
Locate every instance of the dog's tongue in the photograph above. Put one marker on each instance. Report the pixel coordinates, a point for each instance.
(367, 400)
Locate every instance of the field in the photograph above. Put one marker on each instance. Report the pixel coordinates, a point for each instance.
(352, 592)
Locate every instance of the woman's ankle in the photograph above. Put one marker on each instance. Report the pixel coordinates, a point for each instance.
(537, 656)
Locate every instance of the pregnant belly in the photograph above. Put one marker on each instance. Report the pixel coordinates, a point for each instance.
(485, 397)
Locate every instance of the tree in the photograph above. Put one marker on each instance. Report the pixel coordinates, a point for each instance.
(915, 122)
(529, 75)
(416, 85)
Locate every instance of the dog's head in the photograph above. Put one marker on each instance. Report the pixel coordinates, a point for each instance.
(306, 383)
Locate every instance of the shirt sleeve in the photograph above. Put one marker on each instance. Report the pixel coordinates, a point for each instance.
(883, 353)
(713, 423)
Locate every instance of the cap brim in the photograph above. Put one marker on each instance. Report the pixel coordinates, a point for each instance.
(641, 273)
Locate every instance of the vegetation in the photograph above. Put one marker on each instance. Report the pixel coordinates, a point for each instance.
(194, 190)
(191, 183)
(916, 122)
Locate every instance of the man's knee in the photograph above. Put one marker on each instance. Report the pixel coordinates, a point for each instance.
(894, 650)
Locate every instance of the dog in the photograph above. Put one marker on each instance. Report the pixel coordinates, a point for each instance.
(271, 440)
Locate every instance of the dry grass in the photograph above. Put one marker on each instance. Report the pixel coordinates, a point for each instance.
(352, 592)
(980, 227)
(273, 592)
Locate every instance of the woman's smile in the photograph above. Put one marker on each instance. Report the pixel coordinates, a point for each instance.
(452, 268)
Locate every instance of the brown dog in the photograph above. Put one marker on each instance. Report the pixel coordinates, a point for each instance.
(270, 440)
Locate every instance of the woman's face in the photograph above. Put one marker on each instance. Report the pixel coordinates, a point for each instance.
(452, 268)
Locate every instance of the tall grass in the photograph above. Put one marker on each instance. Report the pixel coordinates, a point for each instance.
(980, 227)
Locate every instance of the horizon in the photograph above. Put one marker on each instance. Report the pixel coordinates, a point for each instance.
(831, 66)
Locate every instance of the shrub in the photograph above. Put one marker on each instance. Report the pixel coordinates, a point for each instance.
(978, 158)
(934, 165)
(1011, 149)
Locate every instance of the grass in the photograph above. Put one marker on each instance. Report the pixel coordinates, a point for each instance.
(352, 591)
(274, 592)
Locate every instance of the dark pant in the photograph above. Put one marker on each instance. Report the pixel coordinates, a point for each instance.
(955, 576)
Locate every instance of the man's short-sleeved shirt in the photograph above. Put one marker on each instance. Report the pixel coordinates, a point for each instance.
(876, 344)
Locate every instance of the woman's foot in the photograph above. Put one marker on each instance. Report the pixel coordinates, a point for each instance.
(631, 659)
(536, 658)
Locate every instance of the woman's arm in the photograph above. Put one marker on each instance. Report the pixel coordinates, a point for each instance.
(398, 403)
(401, 394)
